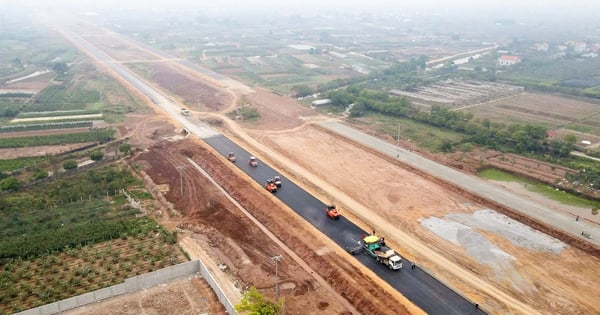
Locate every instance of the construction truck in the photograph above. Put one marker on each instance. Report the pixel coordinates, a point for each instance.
(185, 112)
(231, 157)
(270, 186)
(332, 212)
(374, 246)
(277, 180)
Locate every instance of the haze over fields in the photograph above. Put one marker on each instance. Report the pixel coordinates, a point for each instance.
(507, 7)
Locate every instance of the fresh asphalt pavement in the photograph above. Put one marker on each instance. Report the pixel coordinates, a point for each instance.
(415, 284)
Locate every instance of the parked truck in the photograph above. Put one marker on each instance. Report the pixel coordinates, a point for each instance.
(374, 246)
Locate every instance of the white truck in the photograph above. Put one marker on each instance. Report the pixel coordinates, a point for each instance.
(185, 112)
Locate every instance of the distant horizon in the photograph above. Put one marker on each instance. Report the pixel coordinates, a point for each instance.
(503, 8)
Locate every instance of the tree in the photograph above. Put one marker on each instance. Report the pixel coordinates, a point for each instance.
(11, 183)
(39, 174)
(302, 90)
(570, 138)
(125, 148)
(60, 67)
(70, 164)
(446, 146)
(254, 303)
(96, 155)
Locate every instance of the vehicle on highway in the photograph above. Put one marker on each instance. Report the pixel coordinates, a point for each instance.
(277, 180)
(185, 112)
(253, 161)
(231, 157)
(270, 186)
(374, 246)
(332, 212)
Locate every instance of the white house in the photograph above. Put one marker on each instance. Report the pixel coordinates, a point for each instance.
(508, 60)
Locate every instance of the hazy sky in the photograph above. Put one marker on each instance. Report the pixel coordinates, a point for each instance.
(500, 5)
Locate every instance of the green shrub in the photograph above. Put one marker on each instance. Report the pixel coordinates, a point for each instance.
(125, 148)
(96, 155)
(39, 174)
(10, 183)
(70, 164)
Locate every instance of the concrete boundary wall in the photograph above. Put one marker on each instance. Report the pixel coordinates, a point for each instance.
(134, 284)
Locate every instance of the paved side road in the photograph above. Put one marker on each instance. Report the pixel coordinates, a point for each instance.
(471, 183)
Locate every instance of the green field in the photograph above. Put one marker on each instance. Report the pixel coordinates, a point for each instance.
(98, 135)
(540, 188)
(422, 135)
(8, 165)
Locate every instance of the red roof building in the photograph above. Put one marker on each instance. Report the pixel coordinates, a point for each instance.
(508, 60)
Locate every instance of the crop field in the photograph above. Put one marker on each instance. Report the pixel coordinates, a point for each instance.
(75, 235)
(97, 135)
(457, 93)
(8, 165)
(548, 110)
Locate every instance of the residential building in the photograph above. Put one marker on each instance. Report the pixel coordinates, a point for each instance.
(508, 60)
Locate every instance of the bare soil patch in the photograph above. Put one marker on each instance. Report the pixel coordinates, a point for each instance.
(407, 197)
(195, 92)
(36, 83)
(245, 250)
(276, 112)
(182, 296)
(546, 109)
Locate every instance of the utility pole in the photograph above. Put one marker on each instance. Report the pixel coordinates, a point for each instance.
(180, 168)
(276, 259)
(398, 137)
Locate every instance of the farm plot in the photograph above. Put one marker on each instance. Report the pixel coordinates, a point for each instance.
(27, 283)
(74, 235)
(98, 135)
(36, 81)
(459, 93)
(550, 110)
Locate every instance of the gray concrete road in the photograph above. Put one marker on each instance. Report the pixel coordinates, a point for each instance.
(472, 184)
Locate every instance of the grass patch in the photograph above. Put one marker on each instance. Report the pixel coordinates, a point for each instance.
(422, 135)
(57, 113)
(563, 197)
(100, 135)
(10, 165)
(245, 113)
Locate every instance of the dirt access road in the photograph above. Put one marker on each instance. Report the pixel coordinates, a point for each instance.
(541, 278)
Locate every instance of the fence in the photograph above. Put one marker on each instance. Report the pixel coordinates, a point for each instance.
(134, 284)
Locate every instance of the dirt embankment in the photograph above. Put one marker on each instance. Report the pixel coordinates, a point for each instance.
(245, 249)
